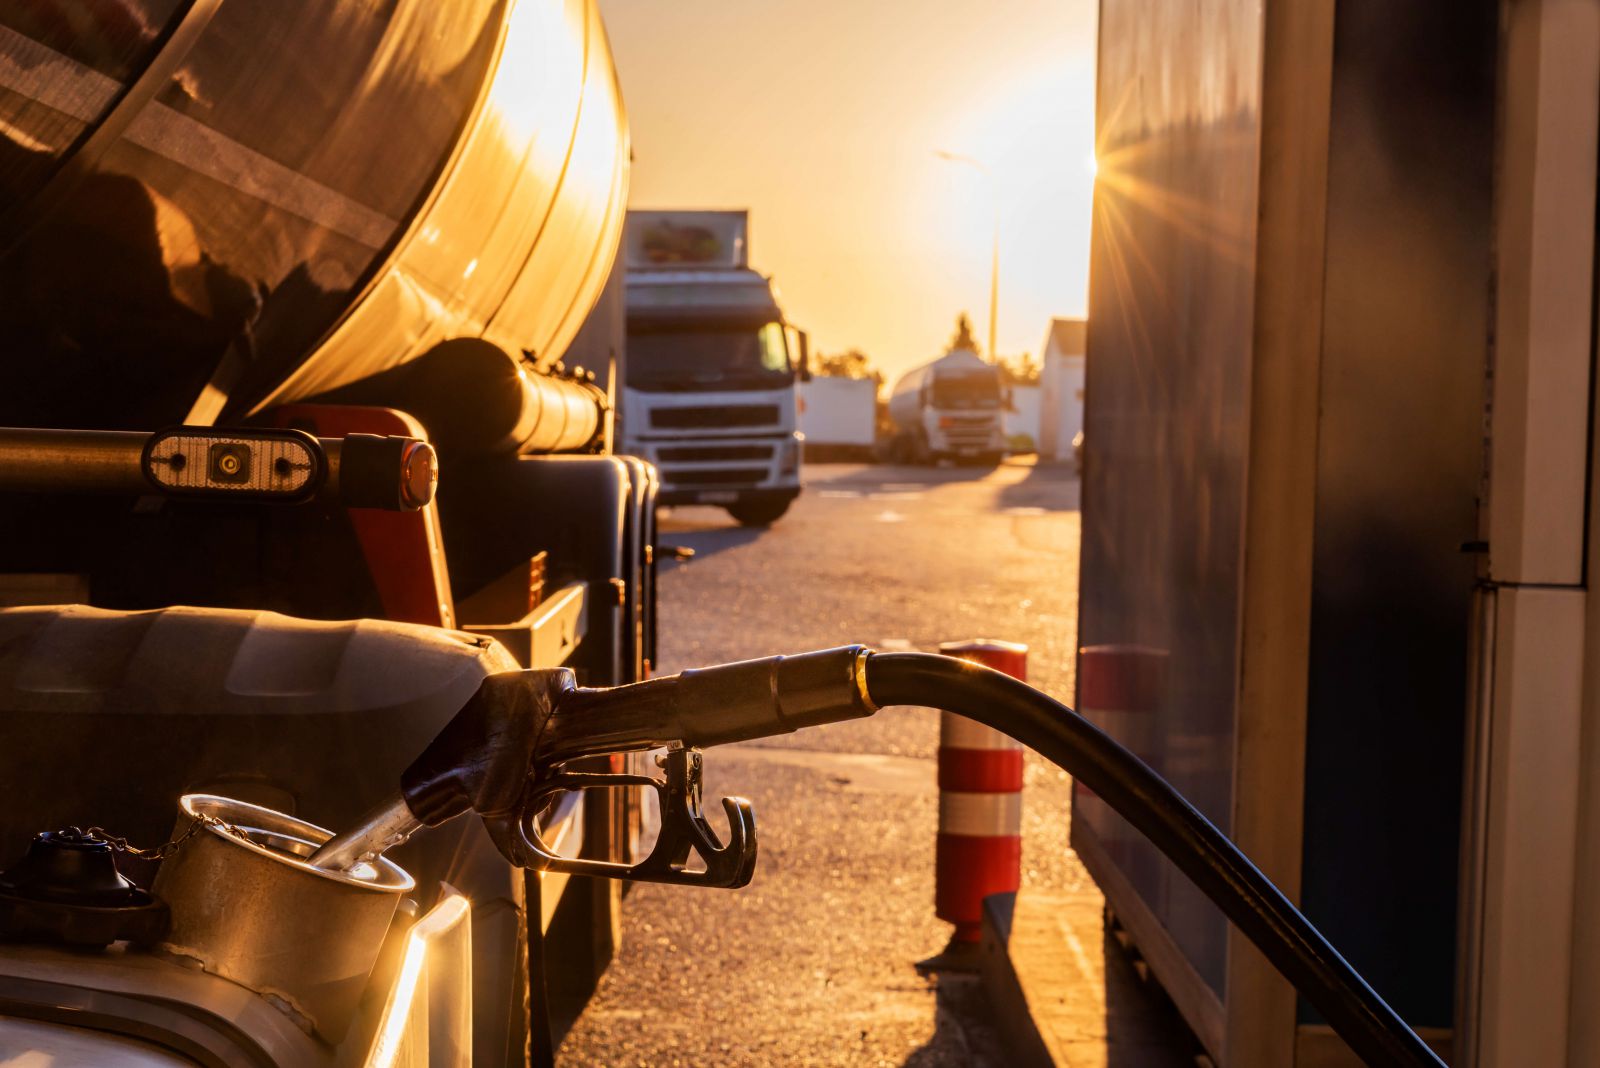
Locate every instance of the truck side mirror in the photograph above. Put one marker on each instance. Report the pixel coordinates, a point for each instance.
(804, 369)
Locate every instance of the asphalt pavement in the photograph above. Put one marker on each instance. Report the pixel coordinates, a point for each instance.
(813, 964)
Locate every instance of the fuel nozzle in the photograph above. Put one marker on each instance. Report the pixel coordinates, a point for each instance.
(504, 754)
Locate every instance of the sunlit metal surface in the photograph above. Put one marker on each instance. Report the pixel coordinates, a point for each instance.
(35, 1044)
(319, 192)
(385, 826)
(1395, 313)
(427, 1019)
(1172, 269)
(246, 902)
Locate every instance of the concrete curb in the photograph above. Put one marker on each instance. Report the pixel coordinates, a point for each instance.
(1065, 997)
(1005, 989)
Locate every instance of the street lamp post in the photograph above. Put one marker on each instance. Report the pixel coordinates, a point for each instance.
(994, 252)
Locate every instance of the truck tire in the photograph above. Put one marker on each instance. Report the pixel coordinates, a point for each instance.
(759, 511)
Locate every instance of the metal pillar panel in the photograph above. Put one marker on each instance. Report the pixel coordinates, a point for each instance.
(1170, 324)
(1530, 963)
(1525, 935)
(1544, 290)
(1280, 505)
(1583, 1040)
(1215, 309)
(1583, 1043)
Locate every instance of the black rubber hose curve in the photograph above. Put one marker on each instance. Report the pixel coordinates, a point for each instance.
(1201, 851)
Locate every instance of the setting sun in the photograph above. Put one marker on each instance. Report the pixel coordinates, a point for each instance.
(829, 138)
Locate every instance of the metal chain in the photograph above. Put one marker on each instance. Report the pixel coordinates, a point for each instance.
(166, 849)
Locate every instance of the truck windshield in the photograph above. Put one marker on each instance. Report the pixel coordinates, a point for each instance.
(980, 390)
(690, 357)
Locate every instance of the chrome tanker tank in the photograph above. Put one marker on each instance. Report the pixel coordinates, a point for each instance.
(208, 209)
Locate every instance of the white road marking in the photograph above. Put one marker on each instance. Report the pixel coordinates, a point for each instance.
(851, 772)
(840, 494)
(1080, 957)
(889, 516)
(897, 496)
(1024, 510)
(904, 486)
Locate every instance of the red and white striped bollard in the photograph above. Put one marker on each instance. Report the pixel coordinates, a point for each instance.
(979, 848)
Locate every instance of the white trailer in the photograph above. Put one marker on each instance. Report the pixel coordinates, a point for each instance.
(839, 416)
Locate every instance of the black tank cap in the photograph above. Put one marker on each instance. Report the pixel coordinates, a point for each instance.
(67, 888)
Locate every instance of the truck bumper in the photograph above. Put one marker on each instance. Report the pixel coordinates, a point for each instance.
(967, 444)
(723, 470)
(728, 496)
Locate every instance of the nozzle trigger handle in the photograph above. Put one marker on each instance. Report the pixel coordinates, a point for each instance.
(685, 832)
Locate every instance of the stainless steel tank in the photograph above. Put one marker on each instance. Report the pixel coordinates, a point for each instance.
(207, 209)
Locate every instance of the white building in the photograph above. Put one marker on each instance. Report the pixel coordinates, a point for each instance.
(1022, 418)
(1061, 387)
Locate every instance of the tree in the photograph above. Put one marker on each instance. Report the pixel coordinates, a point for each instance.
(1020, 370)
(848, 364)
(964, 338)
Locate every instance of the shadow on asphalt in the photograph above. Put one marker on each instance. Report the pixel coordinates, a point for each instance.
(817, 475)
(1050, 486)
(705, 531)
(960, 1035)
(1143, 1028)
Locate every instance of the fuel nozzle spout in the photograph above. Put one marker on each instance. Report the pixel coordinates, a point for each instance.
(712, 706)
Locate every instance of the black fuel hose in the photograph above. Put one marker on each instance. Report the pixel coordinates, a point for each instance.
(539, 719)
(1175, 827)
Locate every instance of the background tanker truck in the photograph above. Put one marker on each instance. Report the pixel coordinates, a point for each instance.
(337, 250)
(951, 408)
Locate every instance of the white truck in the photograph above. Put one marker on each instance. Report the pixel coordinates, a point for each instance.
(950, 408)
(712, 369)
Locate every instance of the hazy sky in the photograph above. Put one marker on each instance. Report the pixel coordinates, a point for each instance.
(822, 118)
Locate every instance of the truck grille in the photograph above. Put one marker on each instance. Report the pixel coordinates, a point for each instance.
(702, 453)
(712, 476)
(969, 431)
(714, 417)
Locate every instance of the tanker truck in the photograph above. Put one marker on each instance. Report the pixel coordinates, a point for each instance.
(308, 330)
(951, 408)
(711, 391)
